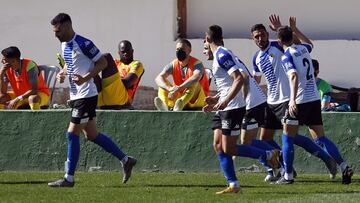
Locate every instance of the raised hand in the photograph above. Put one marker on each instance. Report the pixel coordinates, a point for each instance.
(292, 22)
(275, 22)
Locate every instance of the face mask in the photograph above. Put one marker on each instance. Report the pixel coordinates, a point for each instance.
(181, 55)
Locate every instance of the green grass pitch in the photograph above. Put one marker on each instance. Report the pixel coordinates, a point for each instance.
(172, 187)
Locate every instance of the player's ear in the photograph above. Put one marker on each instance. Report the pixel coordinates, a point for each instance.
(207, 39)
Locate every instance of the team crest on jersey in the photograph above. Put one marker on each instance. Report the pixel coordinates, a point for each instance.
(271, 57)
(74, 54)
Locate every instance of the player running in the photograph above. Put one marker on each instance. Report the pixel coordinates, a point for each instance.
(83, 61)
(230, 106)
(304, 104)
(267, 62)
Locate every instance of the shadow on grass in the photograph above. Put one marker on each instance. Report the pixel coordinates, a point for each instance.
(34, 182)
(307, 192)
(337, 181)
(181, 186)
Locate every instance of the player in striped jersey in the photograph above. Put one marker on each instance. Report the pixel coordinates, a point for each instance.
(230, 106)
(255, 108)
(304, 104)
(267, 61)
(83, 61)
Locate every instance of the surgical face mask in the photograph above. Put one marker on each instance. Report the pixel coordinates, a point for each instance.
(180, 55)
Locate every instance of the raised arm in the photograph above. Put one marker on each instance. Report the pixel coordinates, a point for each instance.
(299, 37)
(275, 22)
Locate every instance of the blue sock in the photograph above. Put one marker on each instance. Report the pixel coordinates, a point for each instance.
(251, 152)
(262, 145)
(331, 148)
(227, 166)
(288, 152)
(274, 144)
(108, 145)
(73, 153)
(311, 147)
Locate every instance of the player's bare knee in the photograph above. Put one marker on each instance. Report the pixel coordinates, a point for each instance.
(34, 99)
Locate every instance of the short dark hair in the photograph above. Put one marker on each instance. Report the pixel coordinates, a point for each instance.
(315, 64)
(215, 33)
(126, 43)
(11, 52)
(60, 19)
(185, 41)
(258, 27)
(285, 34)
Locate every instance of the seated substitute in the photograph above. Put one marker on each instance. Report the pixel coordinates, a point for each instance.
(323, 86)
(27, 83)
(190, 86)
(120, 79)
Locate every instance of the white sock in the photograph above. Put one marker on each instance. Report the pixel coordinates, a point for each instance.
(288, 176)
(343, 166)
(234, 184)
(124, 160)
(69, 178)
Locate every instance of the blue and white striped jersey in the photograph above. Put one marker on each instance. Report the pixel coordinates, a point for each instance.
(223, 66)
(80, 54)
(297, 59)
(255, 94)
(268, 63)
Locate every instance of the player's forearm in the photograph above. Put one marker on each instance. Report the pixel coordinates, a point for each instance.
(191, 81)
(3, 87)
(162, 82)
(293, 86)
(235, 88)
(129, 80)
(28, 93)
(99, 66)
(246, 88)
(3, 84)
(301, 37)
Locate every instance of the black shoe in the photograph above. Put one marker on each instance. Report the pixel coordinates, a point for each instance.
(127, 168)
(61, 183)
(346, 175)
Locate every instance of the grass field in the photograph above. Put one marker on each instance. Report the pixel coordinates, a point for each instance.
(172, 187)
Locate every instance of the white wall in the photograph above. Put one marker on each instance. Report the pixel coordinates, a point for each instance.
(320, 19)
(150, 26)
